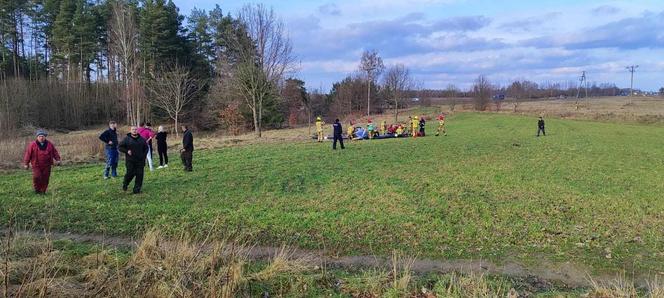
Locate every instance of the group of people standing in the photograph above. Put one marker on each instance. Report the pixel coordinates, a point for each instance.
(136, 145)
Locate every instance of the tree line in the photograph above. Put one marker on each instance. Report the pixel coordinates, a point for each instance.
(74, 63)
(139, 60)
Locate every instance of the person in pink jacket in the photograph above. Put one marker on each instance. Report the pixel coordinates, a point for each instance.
(41, 155)
(146, 132)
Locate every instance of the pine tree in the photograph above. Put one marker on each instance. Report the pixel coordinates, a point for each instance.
(229, 36)
(11, 27)
(161, 42)
(199, 34)
(102, 16)
(47, 17)
(64, 38)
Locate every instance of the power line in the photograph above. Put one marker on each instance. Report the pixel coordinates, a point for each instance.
(632, 70)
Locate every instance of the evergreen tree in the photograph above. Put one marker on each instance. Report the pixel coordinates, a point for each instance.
(11, 37)
(102, 16)
(43, 19)
(229, 37)
(200, 34)
(64, 38)
(161, 42)
(85, 38)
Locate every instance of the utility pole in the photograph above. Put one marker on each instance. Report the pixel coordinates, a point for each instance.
(631, 69)
(582, 81)
(369, 71)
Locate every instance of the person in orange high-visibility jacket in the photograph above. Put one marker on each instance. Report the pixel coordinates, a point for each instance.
(383, 128)
(441, 125)
(415, 126)
(319, 128)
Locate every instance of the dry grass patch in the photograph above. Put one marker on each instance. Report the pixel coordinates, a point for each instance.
(621, 287)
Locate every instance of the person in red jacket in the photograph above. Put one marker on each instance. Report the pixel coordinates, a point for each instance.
(40, 154)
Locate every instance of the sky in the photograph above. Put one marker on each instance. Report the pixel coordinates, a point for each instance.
(446, 42)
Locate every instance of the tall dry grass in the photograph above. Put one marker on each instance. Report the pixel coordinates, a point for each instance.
(647, 110)
(622, 287)
(473, 285)
(75, 147)
(158, 267)
(166, 267)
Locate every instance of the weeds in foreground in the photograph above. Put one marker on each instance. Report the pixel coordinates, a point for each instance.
(621, 287)
(166, 267)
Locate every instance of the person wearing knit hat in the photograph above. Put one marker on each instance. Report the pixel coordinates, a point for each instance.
(41, 155)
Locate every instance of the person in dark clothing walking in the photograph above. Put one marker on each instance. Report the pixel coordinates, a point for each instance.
(338, 130)
(422, 125)
(187, 151)
(135, 149)
(540, 127)
(162, 147)
(40, 154)
(110, 139)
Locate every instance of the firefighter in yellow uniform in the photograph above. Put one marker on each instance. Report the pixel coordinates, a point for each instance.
(383, 128)
(319, 128)
(415, 126)
(399, 130)
(441, 125)
(350, 130)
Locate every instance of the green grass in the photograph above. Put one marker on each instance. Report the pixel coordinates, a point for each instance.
(490, 190)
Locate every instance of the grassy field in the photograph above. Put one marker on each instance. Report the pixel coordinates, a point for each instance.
(588, 192)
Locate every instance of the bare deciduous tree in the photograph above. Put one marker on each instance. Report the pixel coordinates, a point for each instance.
(124, 45)
(264, 64)
(451, 93)
(481, 93)
(372, 65)
(172, 91)
(516, 92)
(397, 80)
(252, 84)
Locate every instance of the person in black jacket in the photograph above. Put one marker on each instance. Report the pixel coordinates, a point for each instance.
(338, 130)
(135, 149)
(187, 151)
(110, 139)
(540, 127)
(422, 126)
(162, 147)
